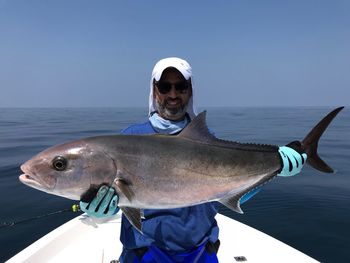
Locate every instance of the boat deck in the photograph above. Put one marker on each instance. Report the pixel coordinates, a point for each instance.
(85, 240)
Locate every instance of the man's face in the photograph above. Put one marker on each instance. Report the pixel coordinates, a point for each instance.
(173, 104)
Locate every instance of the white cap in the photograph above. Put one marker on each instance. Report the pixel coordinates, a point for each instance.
(178, 63)
(181, 65)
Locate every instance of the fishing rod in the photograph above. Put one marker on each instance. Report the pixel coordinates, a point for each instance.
(74, 208)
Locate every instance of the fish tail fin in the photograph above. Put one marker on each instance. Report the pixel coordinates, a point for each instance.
(309, 144)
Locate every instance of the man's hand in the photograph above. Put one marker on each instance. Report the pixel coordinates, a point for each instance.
(104, 204)
(292, 161)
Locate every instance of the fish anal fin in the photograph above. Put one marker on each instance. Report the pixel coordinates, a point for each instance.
(134, 216)
(123, 187)
(233, 203)
(198, 130)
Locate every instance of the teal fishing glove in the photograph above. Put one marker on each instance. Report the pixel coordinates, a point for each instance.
(292, 161)
(104, 204)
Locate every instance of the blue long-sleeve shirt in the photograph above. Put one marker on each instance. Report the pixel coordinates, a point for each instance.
(175, 230)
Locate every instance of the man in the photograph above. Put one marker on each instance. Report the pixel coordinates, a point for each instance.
(187, 234)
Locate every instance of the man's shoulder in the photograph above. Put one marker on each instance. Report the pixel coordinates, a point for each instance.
(139, 128)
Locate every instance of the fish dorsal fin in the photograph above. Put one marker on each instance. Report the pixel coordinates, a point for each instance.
(197, 130)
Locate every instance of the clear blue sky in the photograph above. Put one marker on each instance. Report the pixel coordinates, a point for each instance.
(243, 53)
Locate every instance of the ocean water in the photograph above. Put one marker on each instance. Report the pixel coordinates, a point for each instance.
(310, 212)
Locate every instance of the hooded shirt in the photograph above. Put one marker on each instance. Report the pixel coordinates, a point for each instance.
(185, 69)
(172, 230)
(160, 124)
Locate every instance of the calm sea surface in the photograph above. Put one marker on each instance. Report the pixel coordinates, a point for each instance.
(310, 212)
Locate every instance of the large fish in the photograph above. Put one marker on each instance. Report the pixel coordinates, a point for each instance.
(162, 171)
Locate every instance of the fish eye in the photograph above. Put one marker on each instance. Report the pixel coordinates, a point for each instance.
(59, 163)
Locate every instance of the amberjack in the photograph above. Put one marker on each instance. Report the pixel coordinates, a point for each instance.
(163, 171)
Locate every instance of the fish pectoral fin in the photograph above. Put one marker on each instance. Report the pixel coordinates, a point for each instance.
(233, 203)
(133, 215)
(124, 187)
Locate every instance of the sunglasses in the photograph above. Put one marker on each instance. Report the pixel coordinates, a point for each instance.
(165, 87)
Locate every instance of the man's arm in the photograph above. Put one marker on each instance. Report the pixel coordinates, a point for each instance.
(292, 163)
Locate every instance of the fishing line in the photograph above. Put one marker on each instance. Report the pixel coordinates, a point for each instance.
(75, 208)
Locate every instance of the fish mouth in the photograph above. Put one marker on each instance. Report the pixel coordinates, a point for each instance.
(32, 180)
